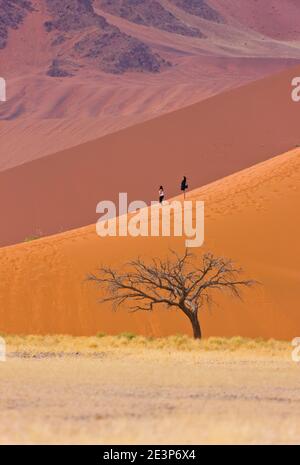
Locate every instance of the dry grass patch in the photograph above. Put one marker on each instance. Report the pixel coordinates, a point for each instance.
(101, 342)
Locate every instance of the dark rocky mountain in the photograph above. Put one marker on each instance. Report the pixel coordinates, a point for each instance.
(72, 15)
(61, 68)
(100, 44)
(148, 13)
(116, 52)
(12, 13)
(80, 36)
(199, 8)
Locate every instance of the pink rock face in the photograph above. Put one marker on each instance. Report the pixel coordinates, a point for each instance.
(274, 18)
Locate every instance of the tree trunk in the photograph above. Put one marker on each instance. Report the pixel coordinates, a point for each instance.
(196, 326)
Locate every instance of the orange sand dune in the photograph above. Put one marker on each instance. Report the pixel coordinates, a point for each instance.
(251, 217)
(205, 142)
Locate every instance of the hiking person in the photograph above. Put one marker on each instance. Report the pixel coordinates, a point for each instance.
(161, 194)
(184, 185)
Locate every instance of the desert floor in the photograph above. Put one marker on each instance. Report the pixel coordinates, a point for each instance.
(131, 390)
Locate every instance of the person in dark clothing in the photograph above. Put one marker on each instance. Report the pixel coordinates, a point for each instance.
(184, 185)
(161, 194)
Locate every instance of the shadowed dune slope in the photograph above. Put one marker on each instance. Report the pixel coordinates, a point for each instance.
(251, 217)
(45, 115)
(205, 142)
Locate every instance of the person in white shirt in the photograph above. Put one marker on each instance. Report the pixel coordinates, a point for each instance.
(161, 194)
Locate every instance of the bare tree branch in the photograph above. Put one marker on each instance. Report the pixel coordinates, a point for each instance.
(184, 282)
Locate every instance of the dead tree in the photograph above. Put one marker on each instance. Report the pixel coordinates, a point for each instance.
(183, 282)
